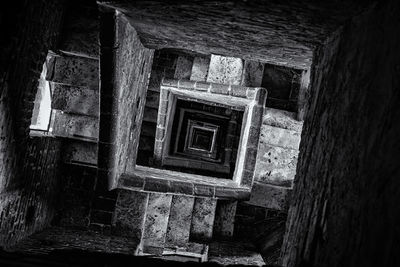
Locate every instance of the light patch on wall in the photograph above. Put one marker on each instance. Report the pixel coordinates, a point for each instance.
(41, 115)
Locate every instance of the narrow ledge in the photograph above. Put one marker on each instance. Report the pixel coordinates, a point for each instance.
(148, 179)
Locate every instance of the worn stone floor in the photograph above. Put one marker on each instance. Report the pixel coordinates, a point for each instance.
(58, 246)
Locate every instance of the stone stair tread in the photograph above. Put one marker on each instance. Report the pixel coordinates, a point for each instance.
(234, 252)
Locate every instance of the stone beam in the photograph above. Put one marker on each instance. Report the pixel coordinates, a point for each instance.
(277, 32)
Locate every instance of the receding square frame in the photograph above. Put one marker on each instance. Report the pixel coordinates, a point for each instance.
(249, 99)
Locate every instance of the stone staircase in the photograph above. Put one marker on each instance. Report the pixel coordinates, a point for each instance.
(167, 225)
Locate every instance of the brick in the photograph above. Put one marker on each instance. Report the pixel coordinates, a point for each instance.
(204, 190)
(189, 85)
(219, 89)
(201, 86)
(157, 185)
(186, 188)
(132, 181)
(239, 91)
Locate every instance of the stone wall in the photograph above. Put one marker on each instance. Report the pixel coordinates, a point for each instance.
(32, 207)
(132, 72)
(345, 208)
(28, 182)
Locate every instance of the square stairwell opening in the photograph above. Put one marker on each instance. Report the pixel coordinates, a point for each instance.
(205, 142)
(200, 137)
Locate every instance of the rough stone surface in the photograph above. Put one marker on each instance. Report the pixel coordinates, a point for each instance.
(269, 196)
(80, 152)
(80, 33)
(183, 67)
(344, 209)
(156, 222)
(280, 137)
(200, 69)
(225, 70)
(276, 165)
(32, 207)
(224, 219)
(75, 126)
(252, 73)
(73, 99)
(280, 32)
(203, 219)
(74, 70)
(179, 220)
(28, 179)
(235, 253)
(130, 212)
(282, 119)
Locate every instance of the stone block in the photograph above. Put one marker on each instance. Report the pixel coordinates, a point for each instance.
(157, 185)
(152, 99)
(74, 99)
(219, 89)
(282, 119)
(75, 126)
(269, 196)
(81, 152)
(200, 69)
(203, 219)
(239, 91)
(157, 215)
(204, 190)
(183, 68)
(225, 70)
(279, 137)
(180, 218)
(232, 193)
(252, 73)
(189, 85)
(186, 188)
(276, 165)
(224, 218)
(130, 210)
(202, 86)
(132, 181)
(75, 70)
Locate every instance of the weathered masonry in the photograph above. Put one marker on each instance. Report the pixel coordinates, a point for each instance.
(175, 130)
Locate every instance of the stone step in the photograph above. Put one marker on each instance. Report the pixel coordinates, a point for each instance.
(82, 153)
(203, 216)
(130, 214)
(75, 126)
(224, 219)
(75, 99)
(156, 222)
(179, 222)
